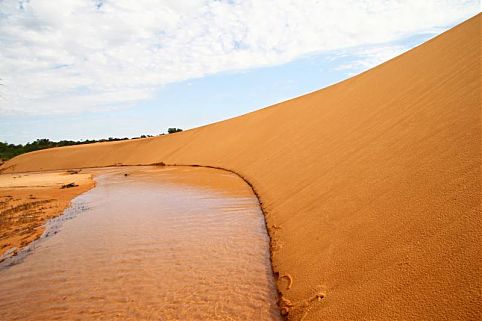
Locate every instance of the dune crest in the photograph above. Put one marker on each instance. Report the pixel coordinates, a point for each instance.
(371, 187)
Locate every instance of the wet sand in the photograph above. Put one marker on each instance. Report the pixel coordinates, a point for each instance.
(150, 244)
(28, 200)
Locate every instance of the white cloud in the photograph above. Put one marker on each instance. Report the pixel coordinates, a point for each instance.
(84, 55)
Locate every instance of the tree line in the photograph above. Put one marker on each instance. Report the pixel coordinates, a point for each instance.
(8, 151)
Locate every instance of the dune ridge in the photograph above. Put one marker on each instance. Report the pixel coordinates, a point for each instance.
(370, 187)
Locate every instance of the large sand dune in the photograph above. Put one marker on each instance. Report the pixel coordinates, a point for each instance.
(371, 187)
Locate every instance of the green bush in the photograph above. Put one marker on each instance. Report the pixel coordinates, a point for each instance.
(173, 130)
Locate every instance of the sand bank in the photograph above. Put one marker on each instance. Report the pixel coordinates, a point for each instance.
(371, 187)
(28, 200)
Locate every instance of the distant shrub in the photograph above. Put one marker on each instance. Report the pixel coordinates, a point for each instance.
(173, 130)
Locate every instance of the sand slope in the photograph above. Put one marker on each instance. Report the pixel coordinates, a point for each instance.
(373, 184)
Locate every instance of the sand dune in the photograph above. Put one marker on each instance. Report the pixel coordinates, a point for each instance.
(371, 187)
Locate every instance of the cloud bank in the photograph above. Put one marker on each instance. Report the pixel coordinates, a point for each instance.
(71, 56)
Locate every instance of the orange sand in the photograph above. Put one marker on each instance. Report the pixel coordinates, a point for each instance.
(371, 187)
(27, 201)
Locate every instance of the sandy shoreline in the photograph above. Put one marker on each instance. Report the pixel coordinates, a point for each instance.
(29, 200)
(40, 193)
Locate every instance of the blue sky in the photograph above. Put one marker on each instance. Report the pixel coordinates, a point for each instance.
(66, 90)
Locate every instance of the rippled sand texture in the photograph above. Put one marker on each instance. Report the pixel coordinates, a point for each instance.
(153, 245)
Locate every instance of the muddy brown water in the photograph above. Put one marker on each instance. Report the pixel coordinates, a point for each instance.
(157, 244)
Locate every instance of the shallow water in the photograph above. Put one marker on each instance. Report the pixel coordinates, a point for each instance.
(158, 244)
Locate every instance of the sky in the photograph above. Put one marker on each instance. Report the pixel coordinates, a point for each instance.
(83, 69)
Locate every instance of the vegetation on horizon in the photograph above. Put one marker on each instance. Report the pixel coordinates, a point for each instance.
(173, 130)
(8, 151)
